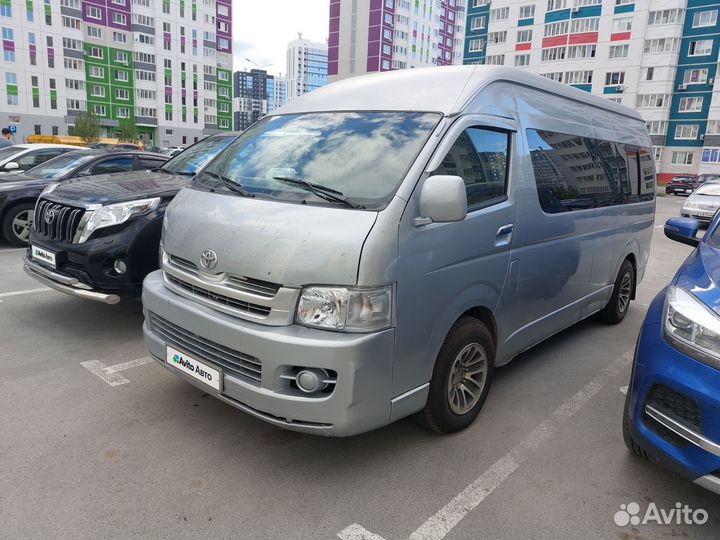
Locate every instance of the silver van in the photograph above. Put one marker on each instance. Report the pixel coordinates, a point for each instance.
(375, 248)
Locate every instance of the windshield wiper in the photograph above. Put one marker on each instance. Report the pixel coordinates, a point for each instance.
(324, 192)
(229, 184)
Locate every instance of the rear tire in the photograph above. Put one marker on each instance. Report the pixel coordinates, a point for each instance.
(461, 378)
(619, 304)
(17, 222)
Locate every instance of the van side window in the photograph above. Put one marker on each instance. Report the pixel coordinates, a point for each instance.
(641, 175)
(480, 157)
(577, 173)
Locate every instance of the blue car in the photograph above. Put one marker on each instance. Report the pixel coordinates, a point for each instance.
(672, 410)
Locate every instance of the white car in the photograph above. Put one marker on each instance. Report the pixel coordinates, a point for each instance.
(704, 203)
(21, 157)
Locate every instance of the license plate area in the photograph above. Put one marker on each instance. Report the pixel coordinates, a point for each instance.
(44, 256)
(206, 374)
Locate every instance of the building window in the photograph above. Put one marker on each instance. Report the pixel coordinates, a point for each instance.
(522, 60)
(657, 153)
(477, 23)
(499, 14)
(713, 127)
(99, 110)
(527, 12)
(554, 5)
(657, 127)
(623, 24)
(711, 155)
(619, 51)
(682, 158)
(666, 16)
(97, 72)
(122, 94)
(691, 104)
(95, 52)
(524, 36)
(495, 60)
(123, 112)
(686, 132)
(584, 25)
(614, 78)
(662, 45)
(476, 45)
(93, 12)
(652, 101)
(119, 18)
(121, 75)
(497, 37)
(649, 72)
(705, 18)
(98, 91)
(94, 32)
(556, 29)
(701, 47)
(119, 37)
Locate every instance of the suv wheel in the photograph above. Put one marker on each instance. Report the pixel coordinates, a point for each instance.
(17, 223)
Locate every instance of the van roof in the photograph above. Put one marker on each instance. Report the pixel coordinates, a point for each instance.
(446, 89)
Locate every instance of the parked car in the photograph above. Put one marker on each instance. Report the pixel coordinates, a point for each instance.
(19, 192)
(360, 257)
(703, 203)
(672, 409)
(117, 146)
(174, 151)
(683, 185)
(105, 237)
(21, 157)
(709, 178)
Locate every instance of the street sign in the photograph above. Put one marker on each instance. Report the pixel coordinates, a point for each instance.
(13, 129)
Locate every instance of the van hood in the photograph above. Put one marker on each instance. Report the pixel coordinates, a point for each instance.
(289, 244)
(119, 187)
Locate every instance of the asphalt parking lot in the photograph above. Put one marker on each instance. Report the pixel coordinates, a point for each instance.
(133, 452)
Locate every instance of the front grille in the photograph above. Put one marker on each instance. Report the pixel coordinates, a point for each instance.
(237, 363)
(57, 221)
(240, 305)
(247, 285)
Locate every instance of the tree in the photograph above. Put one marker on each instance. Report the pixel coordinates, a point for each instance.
(87, 127)
(127, 131)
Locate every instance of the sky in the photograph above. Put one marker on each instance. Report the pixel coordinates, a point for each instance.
(263, 28)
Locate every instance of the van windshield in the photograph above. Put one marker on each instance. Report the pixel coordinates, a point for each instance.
(359, 156)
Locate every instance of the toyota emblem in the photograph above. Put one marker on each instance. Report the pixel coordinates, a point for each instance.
(208, 259)
(49, 216)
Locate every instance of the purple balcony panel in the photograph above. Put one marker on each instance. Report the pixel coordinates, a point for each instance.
(100, 11)
(333, 68)
(375, 17)
(335, 25)
(334, 8)
(374, 48)
(101, 3)
(118, 19)
(8, 45)
(168, 90)
(334, 39)
(33, 49)
(374, 33)
(51, 52)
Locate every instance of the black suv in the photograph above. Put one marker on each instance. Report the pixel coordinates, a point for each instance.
(98, 238)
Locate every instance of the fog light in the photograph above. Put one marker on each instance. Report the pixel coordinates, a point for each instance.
(120, 267)
(311, 380)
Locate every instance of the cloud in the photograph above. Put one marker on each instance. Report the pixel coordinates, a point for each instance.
(262, 30)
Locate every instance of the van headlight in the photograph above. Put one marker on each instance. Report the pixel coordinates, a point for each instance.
(111, 215)
(344, 309)
(692, 327)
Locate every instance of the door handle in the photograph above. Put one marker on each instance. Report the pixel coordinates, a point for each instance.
(505, 229)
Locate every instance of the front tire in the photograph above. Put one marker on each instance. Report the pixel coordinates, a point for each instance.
(17, 223)
(619, 303)
(461, 378)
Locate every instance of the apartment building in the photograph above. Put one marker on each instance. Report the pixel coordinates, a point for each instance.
(380, 35)
(307, 66)
(166, 64)
(657, 56)
(256, 94)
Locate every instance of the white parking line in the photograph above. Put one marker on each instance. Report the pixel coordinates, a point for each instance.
(623, 390)
(110, 374)
(439, 525)
(19, 293)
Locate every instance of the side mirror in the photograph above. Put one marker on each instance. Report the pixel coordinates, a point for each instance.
(683, 230)
(442, 200)
(12, 166)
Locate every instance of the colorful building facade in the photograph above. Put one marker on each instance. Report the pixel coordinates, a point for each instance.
(166, 65)
(380, 35)
(657, 56)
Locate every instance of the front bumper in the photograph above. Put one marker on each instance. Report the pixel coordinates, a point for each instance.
(705, 217)
(360, 401)
(89, 266)
(691, 448)
(65, 284)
